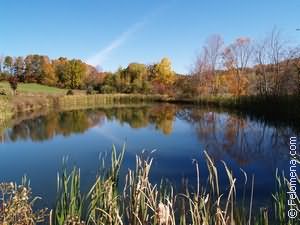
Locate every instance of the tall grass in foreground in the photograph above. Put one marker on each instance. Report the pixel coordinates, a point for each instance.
(142, 203)
(16, 205)
(139, 202)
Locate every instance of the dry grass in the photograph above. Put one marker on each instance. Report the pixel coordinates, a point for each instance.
(16, 205)
(143, 203)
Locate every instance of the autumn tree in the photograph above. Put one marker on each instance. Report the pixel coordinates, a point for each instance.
(296, 64)
(162, 76)
(276, 53)
(132, 79)
(19, 68)
(60, 68)
(33, 68)
(136, 76)
(94, 78)
(261, 59)
(30, 68)
(273, 65)
(8, 64)
(109, 85)
(207, 63)
(236, 60)
(38, 68)
(47, 75)
(75, 72)
(1, 62)
(163, 72)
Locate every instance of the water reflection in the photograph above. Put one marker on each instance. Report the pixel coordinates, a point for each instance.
(222, 134)
(243, 139)
(48, 126)
(35, 144)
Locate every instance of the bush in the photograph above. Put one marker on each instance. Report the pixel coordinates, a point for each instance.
(89, 90)
(106, 89)
(3, 76)
(70, 92)
(3, 92)
(13, 82)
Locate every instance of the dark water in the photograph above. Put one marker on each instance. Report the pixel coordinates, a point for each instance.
(36, 145)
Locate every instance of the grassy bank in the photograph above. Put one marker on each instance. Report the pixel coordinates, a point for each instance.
(32, 88)
(278, 112)
(139, 202)
(98, 100)
(5, 108)
(35, 97)
(71, 102)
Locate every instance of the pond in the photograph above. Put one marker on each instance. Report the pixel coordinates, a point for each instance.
(36, 144)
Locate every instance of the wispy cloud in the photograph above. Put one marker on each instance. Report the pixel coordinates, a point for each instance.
(102, 55)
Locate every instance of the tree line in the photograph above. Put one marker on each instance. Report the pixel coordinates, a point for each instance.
(266, 67)
(75, 74)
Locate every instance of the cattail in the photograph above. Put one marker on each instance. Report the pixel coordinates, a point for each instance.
(163, 214)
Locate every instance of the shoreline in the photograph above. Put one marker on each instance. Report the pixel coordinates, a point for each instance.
(287, 107)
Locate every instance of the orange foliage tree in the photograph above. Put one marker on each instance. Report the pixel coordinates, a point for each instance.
(236, 58)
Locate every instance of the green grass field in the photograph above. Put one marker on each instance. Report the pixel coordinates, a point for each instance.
(33, 88)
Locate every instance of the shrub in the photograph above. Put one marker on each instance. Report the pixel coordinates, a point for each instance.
(3, 76)
(89, 90)
(3, 92)
(70, 92)
(106, 89)
(13, 82)
(17, 205)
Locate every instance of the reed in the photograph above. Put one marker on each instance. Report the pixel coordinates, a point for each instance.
(139, 202)
(5, 109)
(17, 205)
(69, 204)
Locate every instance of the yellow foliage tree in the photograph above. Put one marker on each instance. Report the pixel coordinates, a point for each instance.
(163, 72)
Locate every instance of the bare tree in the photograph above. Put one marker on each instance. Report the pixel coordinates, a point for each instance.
(1, 62)
(213, 50)
(207, 63)
(273, 60)
(296, 65)
(276, 54)
(260, 59)
(236, 59)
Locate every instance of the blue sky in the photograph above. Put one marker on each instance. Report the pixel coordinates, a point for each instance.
(115, 33)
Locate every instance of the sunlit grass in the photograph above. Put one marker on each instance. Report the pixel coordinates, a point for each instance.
(33, 88)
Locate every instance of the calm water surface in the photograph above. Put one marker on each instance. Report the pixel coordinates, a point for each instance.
(36, 145)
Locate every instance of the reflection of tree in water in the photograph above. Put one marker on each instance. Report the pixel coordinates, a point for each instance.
(52, 124)
(135, 117)
(65, 123)
(242, 139)
(161, 116)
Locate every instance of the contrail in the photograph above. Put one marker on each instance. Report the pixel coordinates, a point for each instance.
(101, 56)
(97, 59)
